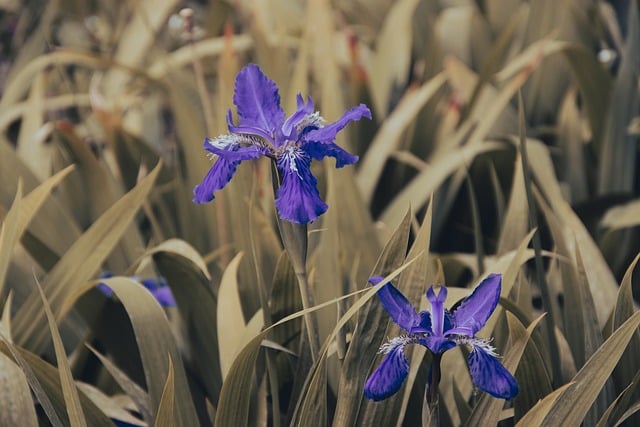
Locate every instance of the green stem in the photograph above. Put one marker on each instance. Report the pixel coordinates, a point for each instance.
(433, 392)
(294, 240)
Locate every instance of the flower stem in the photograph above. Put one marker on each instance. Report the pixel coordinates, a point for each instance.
(433, 393)
(294, 240)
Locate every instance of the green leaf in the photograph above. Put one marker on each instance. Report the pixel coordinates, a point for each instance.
(197, 306)
(623, 310)
(156, 346)
(164, 417)
(233, 407)
(16, 404)
(602, 283)
(20, 215)
(617, 165)
(69, 390)
(537, 414)
(442, 165)
(394, 41)
(574, 403)
(44, 380)
(389, 137)
(372, 323)
(229, 313)
(80, 262)
(133, 390)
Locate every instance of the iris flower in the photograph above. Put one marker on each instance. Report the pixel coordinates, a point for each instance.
(291, 143)
(440, 330)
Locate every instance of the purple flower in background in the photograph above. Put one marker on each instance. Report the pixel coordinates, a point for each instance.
(158, 288)
(440, 330)
(291, 142)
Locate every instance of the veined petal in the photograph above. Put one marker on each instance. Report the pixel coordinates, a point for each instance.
(298, 197)
(397, 305)
(258, 100)
(474, 311)
(235, 148)
(217, 177)
(320, 150)
(490, 376)
(388, 376)
(328, 133)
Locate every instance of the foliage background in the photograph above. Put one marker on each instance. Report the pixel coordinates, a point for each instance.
(102, 115)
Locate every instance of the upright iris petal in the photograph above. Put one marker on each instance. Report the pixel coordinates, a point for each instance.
(398, 306)
(258, 100)
(262, 131)
(439, 331)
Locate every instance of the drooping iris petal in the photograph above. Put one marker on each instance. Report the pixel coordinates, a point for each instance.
(217, 177)
(474, 311)
(320, 150)
(298, 197)
(490, 376)
(257, 100)
(388, 376)
(235, 147)
(397, 305)
(231, 150)
(328, 133)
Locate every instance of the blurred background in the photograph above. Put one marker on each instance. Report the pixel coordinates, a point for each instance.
(116, 89)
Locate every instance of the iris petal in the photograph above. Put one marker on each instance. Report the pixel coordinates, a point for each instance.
(388, 376)
(397, 305)
(490, 376)
(328, 133)
(235, 147)
(258, 100)
(437, 308)
(474, 311)
(218, 176)
(301, 112)
(320, 150)
(298, 197)
(437, 344)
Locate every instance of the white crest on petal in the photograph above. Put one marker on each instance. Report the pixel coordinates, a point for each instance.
(395, 342)
(224, 142)
(482, 343)
(313, 119)
(229, 141)
(290, 155)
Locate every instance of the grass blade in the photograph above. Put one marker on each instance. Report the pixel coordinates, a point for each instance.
(80, 262)
(164, 417)
(69, 390)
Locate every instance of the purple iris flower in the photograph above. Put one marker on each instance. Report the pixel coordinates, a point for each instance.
(440, 330)
(292, 143)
